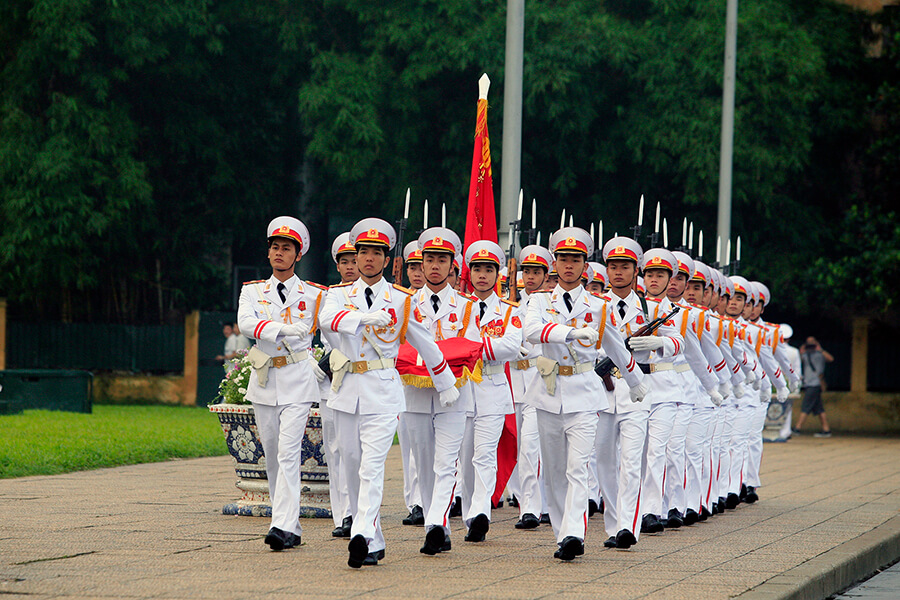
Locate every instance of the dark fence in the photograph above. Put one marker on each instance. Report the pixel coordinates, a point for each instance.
(112, 347)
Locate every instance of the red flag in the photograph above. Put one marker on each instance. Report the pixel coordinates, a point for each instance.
(481, 219)
(481, 224)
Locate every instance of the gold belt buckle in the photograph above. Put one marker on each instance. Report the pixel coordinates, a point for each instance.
(652, 367)
(566, 371)
(615, 372)
(360, 366)
(279, 361)
(522, 365)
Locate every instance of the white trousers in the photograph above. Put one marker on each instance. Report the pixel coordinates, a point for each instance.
(566, 442)
(659, 430)
(411, 494)
(526, 482)
(740, 437)
(785, 432)
(281, 430)
(337, 488)
(365, 441)
(697, 457)
(715, 458)
(620, 450)
(755, 445)
(478, 464)
(673, 479)
(729, 414)
(436, 440)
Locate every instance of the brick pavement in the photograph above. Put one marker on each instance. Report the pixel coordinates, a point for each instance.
(828, 510)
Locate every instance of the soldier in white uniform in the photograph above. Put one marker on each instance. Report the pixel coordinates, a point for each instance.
(280, 314)
(344, 255)
(501, 331)
(571, 324)
(699, 441)
(658, 267)
(526, 483)
(412, 497)
(437, 422)
(622, 426)
(373, 318)
(706, 382)
(768, 350)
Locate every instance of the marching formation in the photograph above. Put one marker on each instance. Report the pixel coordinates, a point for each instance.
(637, 387)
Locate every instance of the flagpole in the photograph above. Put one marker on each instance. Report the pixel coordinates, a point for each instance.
(511, 161)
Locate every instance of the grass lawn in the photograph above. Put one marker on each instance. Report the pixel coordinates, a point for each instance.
(43, 442)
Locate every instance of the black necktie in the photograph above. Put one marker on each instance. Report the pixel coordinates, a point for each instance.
(369, 297)
(568, 300)
(281, 287)
(483, 306)
(435, 302)
(622, 308)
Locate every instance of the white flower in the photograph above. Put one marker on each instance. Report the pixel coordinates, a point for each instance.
(242, 443)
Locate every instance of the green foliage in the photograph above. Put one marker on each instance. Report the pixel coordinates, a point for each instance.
(144, 146)
(51, 442)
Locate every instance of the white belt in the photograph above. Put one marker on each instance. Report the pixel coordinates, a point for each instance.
(567, 370)
(288, 359)
(493, 369)
(654, 368)
(682, 368)
(361, 366)
(524, 364)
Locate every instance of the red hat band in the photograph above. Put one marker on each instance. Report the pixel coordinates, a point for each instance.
(285, 231)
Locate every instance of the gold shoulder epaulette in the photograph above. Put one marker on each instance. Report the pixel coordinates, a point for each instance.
(255, 281)
(652, 300)
(337, 285)
(596, 295)
(510, 302)
(467, 297)
(405, 290)
(318, 285)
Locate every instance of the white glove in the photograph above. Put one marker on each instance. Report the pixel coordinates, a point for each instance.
(587, 334)
(639, 392)
(781, 394)
(756, 384)
(795, 386)
(318, 372)
(379, 318)
(647, 342)
(449, 396)
(716, 397)
(725, 389)
(739, 390)
(297, 329)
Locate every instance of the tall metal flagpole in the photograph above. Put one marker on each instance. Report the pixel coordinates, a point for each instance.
(511, 160)
(727, 155)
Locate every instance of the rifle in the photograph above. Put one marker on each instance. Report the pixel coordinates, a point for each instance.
(511, 275)
(604, 367)
(397, 267)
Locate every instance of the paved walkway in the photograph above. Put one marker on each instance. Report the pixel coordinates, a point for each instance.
(828, 516)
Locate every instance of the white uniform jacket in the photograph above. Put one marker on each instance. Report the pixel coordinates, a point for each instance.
(762, 345)
(378, 391)
(548, 322)
(665, 386)
(456, 317)
(261, 315)
(705, 330)
(501, 332)
(720, 330)
(687, 322)
(778, 350)
(522, 371)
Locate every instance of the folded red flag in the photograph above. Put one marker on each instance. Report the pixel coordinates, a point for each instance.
(462, 355)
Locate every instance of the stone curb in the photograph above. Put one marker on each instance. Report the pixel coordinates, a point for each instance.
(835, 570)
